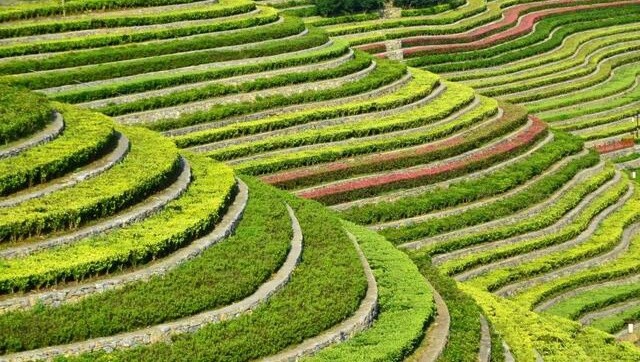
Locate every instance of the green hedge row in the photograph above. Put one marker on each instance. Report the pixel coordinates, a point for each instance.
(118, 88)
(360, 62)
(545, 218)
(190, 216)
(596, 299)
(171, 34)
(52, 8)
(151, 164)
(96, 21)
(385, 73)
(539, 191)
(326, 288)
(436, 110)
(405, 306)
(371, 163)
(490, 185)
(536, 43)
(399, 98)
(21, 113)
(86, 137)
(223, 274)
(429, 178)
(606, 237)
(133, 59)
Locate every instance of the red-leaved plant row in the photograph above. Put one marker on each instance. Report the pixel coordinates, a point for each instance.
(509, 17)
(291, 177)
(533, 131)
(615, 145)
(525, 25)
(373, 48)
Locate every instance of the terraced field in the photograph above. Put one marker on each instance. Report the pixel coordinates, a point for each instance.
(232, 180)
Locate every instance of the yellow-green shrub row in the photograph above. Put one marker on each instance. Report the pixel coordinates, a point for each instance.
(626, 264)
(87, 135)
(553, 214)
(452, 99)
(151, 164)
(115, 20)
(606, 237)
(555, 338)
(437, 110)
(416, 89)
(181, 221)
(21, 114)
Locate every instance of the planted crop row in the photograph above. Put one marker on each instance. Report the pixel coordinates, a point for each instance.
(223, 274)
(360, 62)
(537, 42)
(625, 265)
(51, 8)
(181, 221)
(96, 21)
(606, 237)
(120, 62)
(538, 191)
(369, 186)
(621, 79)
(21, 114)
(405, 306)
(554, 338)
(86, 137)
(266, 16)
(595, 299)
(552, 214)
(385, 73)
(325, 289)
(416, 89)
(437, 109)
(342, 169)
(468, 191)
(151, 164)
(524, 25)
(321, 153)
(118, 87)
(615, 323)
(597, 71)
(475, 7)
(574, 50)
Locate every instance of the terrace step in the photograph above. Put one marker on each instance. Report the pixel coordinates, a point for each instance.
(91, 170)
(437, 334)
(199, 106)
(476, 204)
(621, 247)
(441, 258)
(567, 219)
(362, 319)
(115, 30)
(381, 178)
(135, 213)
(316, 125)
(609, 311)
(178, 71)
(165, 332)
(522, 215)
(379, 92)
(229, 81)
(47, 134)
(66, 294)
